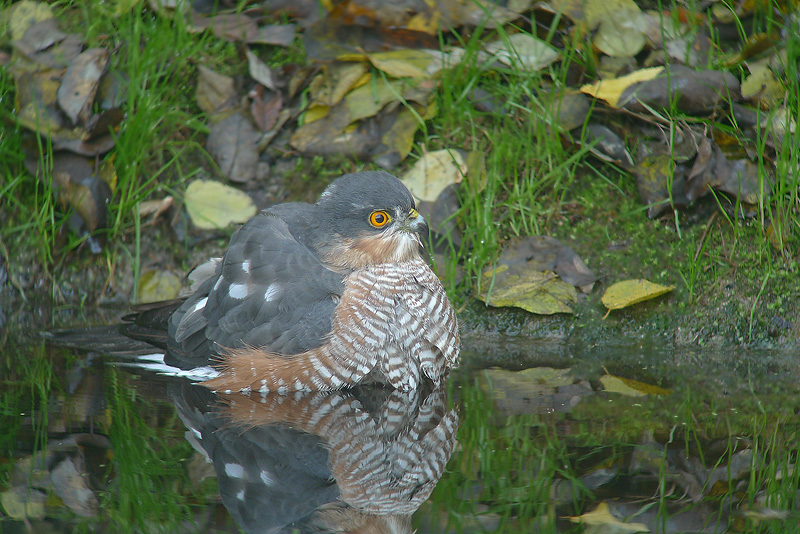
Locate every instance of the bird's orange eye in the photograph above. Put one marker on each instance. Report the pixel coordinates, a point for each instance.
(379, 219)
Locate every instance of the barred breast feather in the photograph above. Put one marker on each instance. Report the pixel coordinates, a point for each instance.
(393, 324)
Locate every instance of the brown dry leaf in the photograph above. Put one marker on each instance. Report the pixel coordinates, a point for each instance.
(545, 254)
(630, 388)
(696, 91)
(602, 516)
(333, 133)
(157, 285)
(329, 39)
(471, 13)
(259, 70)
(630, 292)
(274, 34)
(211, 204)
(214, 91)
(526, 50)
(231, 27)
(233, 143)
(37, 98)
(611, 89)
(433, 172)
(79, 84)
(40, 36)
(537, 292)
(265, 112)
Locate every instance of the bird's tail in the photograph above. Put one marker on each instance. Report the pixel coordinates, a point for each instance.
(253, 369)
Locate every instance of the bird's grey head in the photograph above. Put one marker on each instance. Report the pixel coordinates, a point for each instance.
(371, 218)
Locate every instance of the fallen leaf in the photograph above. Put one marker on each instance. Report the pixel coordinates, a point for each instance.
(229, 26)
(402, 63)
(25, 14)
(545, 254)
(524, 49)
(158, 285)
(630, 388)
(630, 292)
(259, 71)
(274, 34)
(79, 84)
(433, 172)
(683, 89)
(211, 204)
(335, 81)
(621, 33)
(265, 112)
(538, 292)
(214, 91)
(611, 89)
(233, 143)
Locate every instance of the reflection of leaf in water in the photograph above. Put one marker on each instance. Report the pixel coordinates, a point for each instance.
(602, 516)
(629, 387)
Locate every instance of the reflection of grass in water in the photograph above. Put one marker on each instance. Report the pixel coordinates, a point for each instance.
(24, 392)
(513, 472)
(149, 489)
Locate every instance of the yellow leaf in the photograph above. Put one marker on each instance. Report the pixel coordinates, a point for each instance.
(535, 291)
(610, 90)
(630, 388)
(25, 14)
(629, 292)
(158, 285)
(211, 204)
(433, 172)
(403, 63)
(602, 516)
(336, 80)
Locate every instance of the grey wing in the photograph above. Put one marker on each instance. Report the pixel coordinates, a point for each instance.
(268, 291)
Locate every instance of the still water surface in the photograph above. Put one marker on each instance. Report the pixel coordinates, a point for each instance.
(527, 436)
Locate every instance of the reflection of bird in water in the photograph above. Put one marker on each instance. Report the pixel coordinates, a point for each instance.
(356, 461)
(317, 297)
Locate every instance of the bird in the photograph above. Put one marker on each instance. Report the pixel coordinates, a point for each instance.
(318, 297)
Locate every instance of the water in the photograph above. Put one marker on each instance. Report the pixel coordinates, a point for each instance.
(629, 436)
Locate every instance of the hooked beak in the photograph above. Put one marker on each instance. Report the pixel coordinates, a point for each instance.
(417, 223)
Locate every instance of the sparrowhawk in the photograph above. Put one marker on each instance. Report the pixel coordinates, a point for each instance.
(322, 296)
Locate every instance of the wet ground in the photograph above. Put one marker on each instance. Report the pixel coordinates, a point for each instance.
(529, 435)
